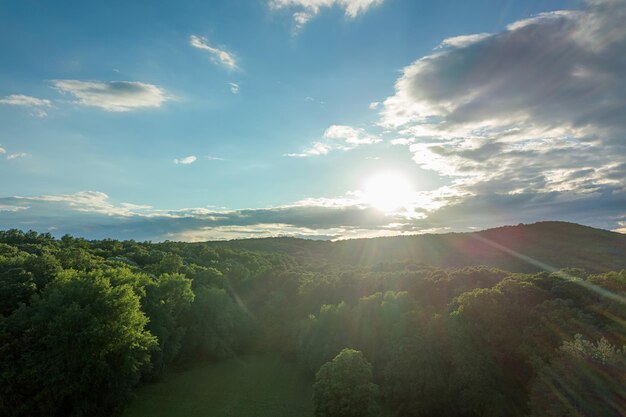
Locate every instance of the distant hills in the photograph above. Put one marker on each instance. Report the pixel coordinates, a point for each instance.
(521, 248)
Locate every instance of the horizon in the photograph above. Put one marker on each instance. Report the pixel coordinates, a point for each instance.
(322, 120)
(340, 239)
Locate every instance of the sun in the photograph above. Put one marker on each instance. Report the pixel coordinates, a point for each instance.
(388, 191)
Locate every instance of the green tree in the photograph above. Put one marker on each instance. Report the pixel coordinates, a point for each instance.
(77, 350)
(166, 304)
(417, 377)
(583, 380)
(344, 388)
(216, 324)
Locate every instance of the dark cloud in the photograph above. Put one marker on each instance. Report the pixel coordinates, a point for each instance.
(92, 215)
(560, 68)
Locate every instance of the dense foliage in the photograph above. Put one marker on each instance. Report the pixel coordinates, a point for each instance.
(83, 322)
(344, 388)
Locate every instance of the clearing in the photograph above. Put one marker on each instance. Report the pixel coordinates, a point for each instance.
(248, 386)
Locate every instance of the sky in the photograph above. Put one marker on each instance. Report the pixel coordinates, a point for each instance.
(324, 119)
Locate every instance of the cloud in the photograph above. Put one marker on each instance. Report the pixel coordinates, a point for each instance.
(17, 155)
(374, 105)
(213, 158)
(463, 40)
(94, 202)
(4, 207)
(113, 96)
(94, 215)
(234, 88)
(186, 160)
(517, 76)
(528, 120)
(307, 9)
(318, 148)
(219, 56)
(27, 101)
(338, 137)
(13, 155)
(402, 141)
(352, 136)
(22, 100)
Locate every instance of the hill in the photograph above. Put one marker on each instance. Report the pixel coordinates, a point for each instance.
(521, 248)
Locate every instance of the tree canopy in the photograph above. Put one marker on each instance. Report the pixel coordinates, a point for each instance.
(82, 323)
(344, 388)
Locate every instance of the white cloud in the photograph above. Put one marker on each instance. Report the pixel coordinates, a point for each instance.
(374, 105)
(338, 137)
(301, 18)
(318, 148)
(10, 208)
(530, 119)
(17, 155)
(213, 158)
(22, 100)
(113, 96)
(27, 101)
(352, 136)
(307, 9)
(234, 88)
(463, 40)
(402, 141)
(86, 201)
(14, 155)
(219, 56)
(186, 160)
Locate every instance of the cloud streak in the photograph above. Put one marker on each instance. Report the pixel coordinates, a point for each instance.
(27, 101)
(307, 9)
(113, 96)
(18, 155)
(186, 160)
(338, 137)
(219, 56)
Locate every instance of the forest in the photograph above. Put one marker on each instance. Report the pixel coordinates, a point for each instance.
(84, 323)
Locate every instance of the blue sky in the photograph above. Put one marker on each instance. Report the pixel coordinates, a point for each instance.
(201, 120)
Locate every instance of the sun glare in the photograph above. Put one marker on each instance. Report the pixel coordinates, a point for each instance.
(387, 192)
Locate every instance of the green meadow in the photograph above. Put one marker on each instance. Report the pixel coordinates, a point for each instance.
(248, 386)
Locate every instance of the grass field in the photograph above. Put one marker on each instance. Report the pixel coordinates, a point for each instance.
(250, 386)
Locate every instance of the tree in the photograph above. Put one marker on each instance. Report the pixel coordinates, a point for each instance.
(583, 380)
(216, 325)
(344, 388)
(418, 375)
(167, 302)
(77, 350)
